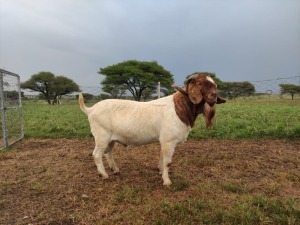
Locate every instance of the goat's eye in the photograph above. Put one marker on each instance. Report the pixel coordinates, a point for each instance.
(199, 83)
(208, 85)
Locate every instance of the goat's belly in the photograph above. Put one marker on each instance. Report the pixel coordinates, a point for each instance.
(135, 139)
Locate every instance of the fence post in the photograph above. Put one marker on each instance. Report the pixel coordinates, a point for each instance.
(269, 92)
(4, 130)
(158, 89)
(20, 107)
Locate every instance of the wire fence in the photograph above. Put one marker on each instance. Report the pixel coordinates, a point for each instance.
(96, 91)
(263, 86)
(11, 109)
(270, 86)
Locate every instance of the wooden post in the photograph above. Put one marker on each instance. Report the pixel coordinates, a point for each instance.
(158, 89)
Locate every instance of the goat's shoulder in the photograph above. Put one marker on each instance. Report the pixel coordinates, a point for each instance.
(164, 101)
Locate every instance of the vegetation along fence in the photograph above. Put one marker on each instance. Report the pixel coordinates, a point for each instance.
(265, 86)
(260, 87)
(11, 109)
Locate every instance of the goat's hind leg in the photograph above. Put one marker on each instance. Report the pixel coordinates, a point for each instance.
(110, 159)
(160, 164)
(98, 155)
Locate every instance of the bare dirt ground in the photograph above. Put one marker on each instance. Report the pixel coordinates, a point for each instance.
(55, 181)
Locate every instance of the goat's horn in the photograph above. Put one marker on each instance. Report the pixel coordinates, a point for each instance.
(181, 90)
(191, 77)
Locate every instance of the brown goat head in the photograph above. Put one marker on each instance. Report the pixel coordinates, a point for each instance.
(200, 86)
(202, 92)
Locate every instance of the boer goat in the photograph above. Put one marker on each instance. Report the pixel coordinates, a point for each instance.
(167, 120)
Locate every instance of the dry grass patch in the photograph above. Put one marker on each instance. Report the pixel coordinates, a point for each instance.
(55, 181)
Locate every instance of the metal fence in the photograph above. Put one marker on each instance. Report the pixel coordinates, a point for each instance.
(11, 109)
(261, 86)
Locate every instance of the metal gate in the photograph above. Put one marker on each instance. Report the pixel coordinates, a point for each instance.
(11, 109)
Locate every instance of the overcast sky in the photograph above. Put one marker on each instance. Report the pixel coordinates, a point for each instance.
(239, 40)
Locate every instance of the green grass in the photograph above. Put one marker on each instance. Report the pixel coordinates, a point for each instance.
(245, 118)
(55, 121)
(130, 195)
(253, 119)
(257, 209)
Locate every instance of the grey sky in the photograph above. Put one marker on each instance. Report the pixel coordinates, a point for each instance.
(238, 40)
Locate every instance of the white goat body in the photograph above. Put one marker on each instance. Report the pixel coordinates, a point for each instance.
(167, 120)
(136, 123)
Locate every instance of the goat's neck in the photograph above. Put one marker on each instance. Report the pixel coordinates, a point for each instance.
(186, 110)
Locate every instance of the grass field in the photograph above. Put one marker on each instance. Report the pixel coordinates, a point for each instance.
(245, 170)
(245, 118)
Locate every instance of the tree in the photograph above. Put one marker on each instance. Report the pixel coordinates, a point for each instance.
(50, 86)
(63, 86)
(234, 89)
(136, 77)
(11, 95)
(289, 89)
(115, 91)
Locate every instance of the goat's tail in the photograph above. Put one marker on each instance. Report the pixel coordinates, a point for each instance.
(81, 104)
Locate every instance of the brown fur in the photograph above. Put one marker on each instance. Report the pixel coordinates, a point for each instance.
(194, 92)
(190, 103)
(209, 113)
(188, 112)
(185, 109)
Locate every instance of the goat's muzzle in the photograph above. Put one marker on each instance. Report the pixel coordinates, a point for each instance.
(211, 99)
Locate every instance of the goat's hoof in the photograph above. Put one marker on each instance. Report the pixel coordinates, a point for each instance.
(159, 170)
(117, 172)
(104, 177)
(167, 183)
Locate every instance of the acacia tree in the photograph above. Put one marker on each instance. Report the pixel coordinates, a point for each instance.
(234, 89)
(289, 89)
(50, 86)
(115, 91)
(136, 77)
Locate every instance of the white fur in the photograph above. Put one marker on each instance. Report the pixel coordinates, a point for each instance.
(210, 79)
(135, 123)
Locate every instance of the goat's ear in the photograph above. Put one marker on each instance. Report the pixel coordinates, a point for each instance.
(220, 100)
(181, 90)
(194, 92)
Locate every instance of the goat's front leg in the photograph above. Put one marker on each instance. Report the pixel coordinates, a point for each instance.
(98, 154)
(167, 150)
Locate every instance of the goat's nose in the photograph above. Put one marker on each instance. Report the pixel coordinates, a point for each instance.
(214, 95)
